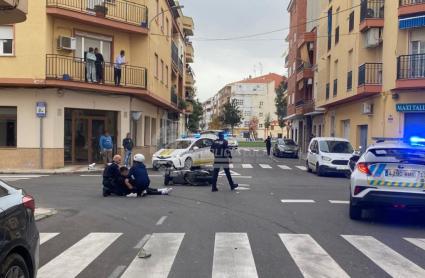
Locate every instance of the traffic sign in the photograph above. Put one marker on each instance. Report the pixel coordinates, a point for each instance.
(41, 109)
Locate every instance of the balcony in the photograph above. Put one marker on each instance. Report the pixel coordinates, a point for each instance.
(13, 11)
(306, 38)
(190, 81)
(304, 71)
(409, 7)
(370, 78)
(188, 25)
(410, 71)
(190, 53)
(177, 61)
(120, 15)
(372, 14)
(304, 106)
(174, 98)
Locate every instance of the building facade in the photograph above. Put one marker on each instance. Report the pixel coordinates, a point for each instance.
(13, 11)
(55, 102)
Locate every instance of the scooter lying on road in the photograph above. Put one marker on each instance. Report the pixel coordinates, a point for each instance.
(194, 177)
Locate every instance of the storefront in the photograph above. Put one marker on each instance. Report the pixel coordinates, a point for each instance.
(414, 119)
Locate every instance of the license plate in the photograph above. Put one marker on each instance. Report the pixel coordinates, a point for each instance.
(401, 173)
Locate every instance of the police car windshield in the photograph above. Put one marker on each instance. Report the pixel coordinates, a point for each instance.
(396, 155)
(335, 147)
(181, 144)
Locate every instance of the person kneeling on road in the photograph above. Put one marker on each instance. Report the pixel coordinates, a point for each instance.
(138, 178)
(111, 174)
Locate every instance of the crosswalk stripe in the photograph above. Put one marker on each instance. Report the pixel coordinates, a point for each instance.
(297, 201)
(339, 202)
(284, 167)
(303, 168)
(386, 258)
(231, 166)
(265, 166)
(247, 166)
(233, 256)
(163, 249)
(310, 257)
(46, 237)
(75, 259)
(419, 242)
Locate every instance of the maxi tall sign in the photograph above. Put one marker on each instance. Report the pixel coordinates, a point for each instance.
(410, 107)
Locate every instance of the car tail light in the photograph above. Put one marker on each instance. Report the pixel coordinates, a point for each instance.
(28, 202)
(364, 168)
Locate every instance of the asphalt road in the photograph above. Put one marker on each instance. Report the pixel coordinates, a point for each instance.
(283, 222)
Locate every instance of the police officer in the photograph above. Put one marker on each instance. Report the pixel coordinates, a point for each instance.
(110, 176)
(268, 142)
(222, 156)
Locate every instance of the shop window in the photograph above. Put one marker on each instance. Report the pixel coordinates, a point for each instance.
(8, 126)
(6, 40)
(147, 131)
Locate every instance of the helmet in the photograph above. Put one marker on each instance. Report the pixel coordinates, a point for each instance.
(139, 158)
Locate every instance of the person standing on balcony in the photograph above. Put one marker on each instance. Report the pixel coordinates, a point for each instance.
(99, 65)
(119, 62)
(91, 66)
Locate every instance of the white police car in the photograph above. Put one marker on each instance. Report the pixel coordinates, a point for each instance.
(388, 175)
(185, 153)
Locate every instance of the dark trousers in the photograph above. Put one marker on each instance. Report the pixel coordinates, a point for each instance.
(99, 73)
(117, 76)
(226, 171)
(268, 150)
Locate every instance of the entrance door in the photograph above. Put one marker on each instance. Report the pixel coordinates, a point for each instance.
(363, 130)
(97, 128)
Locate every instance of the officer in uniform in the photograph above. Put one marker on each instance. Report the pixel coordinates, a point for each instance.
(222, 156)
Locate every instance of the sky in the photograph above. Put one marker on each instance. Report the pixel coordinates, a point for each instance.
(219, 62)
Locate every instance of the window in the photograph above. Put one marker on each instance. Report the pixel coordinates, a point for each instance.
(166, 76)
(147, 131)
(261, 125)
(156, 66)
(336, 35)
(162, 71)
(261, 115)
(8, 126)
(261, 103)
(167, 28)
(330, 29)
(6, 40)
(350, 70)
(351, 22)
(157, 10)
(3, 191)
(162, 20)
(86, 40)
(239, 102)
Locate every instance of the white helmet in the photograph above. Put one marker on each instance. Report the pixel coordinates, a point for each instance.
(139, 157)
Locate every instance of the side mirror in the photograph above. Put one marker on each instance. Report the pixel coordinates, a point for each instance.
(195, 148)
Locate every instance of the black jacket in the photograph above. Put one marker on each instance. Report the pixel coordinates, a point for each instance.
(127, 143)
(268, 143)
(111, 174)
(221, 151)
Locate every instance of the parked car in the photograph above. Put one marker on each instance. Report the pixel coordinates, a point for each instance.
(329, 155)
(19, 237)
(285, 147)
(185, 153)
(388, 175)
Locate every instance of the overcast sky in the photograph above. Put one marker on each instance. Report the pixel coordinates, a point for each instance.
(220, 62)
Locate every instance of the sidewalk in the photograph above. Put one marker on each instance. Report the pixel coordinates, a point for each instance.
(41, 213)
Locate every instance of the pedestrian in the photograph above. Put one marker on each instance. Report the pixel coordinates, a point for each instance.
(268, 142)
(99, 65)
(138, 177)
(127, 144)
(111, 176)
(106, 145)
(222, 155)
(91, 66)
(119, 62)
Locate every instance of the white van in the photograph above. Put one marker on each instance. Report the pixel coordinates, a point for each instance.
(329, 155)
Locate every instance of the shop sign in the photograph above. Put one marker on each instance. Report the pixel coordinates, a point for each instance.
(410, 107)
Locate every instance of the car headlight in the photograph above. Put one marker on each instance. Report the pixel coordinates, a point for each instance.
(325, 158)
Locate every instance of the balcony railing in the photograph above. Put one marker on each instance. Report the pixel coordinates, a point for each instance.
(328, 90)
(302, 66)
(177, 61)
(411, 2)
(75, 70)
(118, 10)
(411, 66)
(372, 9)
(370, 74)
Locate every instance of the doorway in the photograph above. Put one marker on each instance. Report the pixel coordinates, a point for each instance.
(363, 130)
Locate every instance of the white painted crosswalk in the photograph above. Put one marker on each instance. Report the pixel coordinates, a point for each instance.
(267, 166)
(12, 178)
(232, 255)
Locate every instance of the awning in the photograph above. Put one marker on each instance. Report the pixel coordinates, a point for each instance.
(316, 112)
(412, 22)
(290, 117)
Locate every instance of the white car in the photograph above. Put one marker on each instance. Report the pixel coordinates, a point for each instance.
(329, 155)
(185, 153)
(388, 174)
(233, 142)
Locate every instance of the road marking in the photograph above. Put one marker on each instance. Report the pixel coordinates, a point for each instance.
(117, 272)
(297, 201)
(46, 237)
(231, 166)
(244, 185)
(284, 167)
(99, 175)
(22, 176)
(303, 168)
(339, 202)
(161, 220)
(242, 188)
(386, 258)
(15, 179)
(310, 257)
(142, 242)
(233, 256)
(76, 258)
(233, 173)
(247, 166)
(265, 166)
(419, 242)
(164, 248)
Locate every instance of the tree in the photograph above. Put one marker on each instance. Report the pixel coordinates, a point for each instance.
(281, 104)
(267, 123)
(231, 114)
(215, 123)
(196, 117)
(253, 126)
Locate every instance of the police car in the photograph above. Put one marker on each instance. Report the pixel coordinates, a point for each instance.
(389, 175)
(185, 153)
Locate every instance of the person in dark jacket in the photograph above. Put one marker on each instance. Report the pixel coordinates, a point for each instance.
(127, 144)
(111, 176)
(99, 65)
(268, 142)
(222, 155)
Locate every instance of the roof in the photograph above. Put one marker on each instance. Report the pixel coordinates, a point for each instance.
(271, 77)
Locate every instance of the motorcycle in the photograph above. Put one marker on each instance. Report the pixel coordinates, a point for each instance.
(194, 177)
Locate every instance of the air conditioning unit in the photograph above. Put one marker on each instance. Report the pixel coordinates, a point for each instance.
(67, 43)
(367, 108)
(373, 37)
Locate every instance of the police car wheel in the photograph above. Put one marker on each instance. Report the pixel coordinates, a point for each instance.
(188, 163)
(308, 166)
(355, 212)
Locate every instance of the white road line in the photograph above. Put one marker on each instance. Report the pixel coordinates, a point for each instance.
(244, 185)
(243, 189)
(22, 176)
(297, 201)
(142, 242)
(15, 179)
(231, 166)
(117, 272)
(284, 167)
(233, 256)
(419, 242)
(265, 166)
(386, 258)
(303, 168)
(247, 166)
(312, 260)
(161, 220)
(164, 248)
(91, 175)
(46, 237)
(339, 202)
(76, 258)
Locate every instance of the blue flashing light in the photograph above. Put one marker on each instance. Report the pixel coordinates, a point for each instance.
(417, 141)
(197, 135)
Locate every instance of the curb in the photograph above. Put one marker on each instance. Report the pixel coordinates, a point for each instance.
(42, 213)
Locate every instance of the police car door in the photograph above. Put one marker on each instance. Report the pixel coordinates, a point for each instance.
(197, 152)
(207, 155)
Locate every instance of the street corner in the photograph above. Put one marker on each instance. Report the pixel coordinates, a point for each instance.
(42, 213)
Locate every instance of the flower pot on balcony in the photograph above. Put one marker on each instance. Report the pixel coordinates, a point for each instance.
(100, 10)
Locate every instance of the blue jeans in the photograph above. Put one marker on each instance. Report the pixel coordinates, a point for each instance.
(127, 157)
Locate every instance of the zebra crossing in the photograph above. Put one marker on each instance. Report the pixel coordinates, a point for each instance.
(12, 178)
(267, 166)
(233, 255)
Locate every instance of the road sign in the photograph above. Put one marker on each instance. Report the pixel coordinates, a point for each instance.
(41, 109)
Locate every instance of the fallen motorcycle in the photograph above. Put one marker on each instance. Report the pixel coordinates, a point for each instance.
(194, 177)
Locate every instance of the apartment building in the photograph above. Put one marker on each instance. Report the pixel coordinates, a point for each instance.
(371, 69)
(54, 105)
(13, 11)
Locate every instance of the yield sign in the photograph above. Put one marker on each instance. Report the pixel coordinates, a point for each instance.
(233, 173)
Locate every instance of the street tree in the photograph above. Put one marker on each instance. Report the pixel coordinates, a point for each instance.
(253, 126)
(267, 123)
(215, 123)
(231, 115)
(196, 117)
(281, 103)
